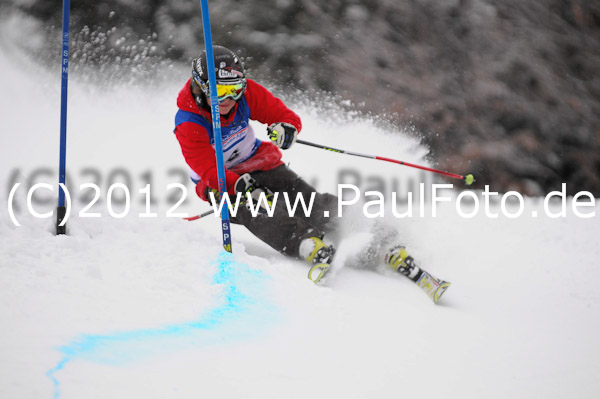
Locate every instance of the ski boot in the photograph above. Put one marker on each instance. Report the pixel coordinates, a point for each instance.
(398, 259)
(318, 254)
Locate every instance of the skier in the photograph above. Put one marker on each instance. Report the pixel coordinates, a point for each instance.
(252, 166)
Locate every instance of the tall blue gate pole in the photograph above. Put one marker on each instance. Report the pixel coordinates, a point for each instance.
(61, 210)
(216, 121)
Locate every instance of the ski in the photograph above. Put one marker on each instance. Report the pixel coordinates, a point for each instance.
(431, 285)
(319, 255)
(318, 271)
(398, 259)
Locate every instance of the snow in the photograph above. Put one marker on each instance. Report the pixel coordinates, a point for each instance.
(152, 307)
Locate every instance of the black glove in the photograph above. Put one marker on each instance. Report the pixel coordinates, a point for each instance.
(215, 192)
(282, 134)
(246, 185)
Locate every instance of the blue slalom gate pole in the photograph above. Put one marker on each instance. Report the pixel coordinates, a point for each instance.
(61, 209)
(216, 121)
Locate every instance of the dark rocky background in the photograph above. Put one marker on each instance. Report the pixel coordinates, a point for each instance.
(506, 89)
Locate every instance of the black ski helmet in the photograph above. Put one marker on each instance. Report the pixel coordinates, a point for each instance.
(228, 68)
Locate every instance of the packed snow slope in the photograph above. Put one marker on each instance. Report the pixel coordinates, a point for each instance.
(151, 307)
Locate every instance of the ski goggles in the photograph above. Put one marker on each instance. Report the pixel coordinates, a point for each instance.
(227, 90)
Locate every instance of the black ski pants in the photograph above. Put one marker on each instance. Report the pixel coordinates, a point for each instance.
(282, 231)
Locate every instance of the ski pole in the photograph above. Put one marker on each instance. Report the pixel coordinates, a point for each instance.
(199, 216)
(468, 179)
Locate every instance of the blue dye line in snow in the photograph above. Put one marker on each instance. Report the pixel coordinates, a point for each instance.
(244, 312)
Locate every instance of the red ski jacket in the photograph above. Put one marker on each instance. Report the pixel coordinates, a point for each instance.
(244, 153)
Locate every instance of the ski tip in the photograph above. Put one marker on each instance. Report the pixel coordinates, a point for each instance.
(321, 270)
(440, 291)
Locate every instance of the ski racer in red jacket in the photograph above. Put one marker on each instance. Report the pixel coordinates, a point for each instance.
(252, 166)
